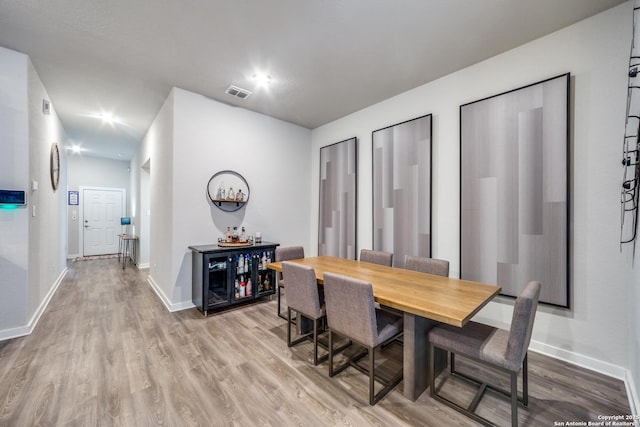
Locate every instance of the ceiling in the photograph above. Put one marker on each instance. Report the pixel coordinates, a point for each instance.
(326, 58)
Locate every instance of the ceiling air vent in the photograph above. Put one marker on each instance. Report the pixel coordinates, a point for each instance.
(238, 92)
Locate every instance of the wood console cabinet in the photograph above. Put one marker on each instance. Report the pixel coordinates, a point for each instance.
(224, 276)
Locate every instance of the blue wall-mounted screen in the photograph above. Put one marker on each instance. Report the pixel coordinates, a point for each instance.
(125, 221)
(13, 197)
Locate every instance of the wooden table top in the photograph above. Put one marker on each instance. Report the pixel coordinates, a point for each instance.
(445, 299)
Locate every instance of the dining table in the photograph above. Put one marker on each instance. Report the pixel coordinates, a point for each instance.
(425, 300)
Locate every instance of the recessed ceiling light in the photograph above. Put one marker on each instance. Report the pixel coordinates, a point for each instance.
(262, 79)
(106, 117)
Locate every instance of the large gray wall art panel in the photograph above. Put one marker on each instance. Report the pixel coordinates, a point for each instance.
(338, 185)
(402, 189)
(513, 190)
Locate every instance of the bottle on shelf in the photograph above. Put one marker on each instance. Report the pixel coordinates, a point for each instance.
(247, 263)
(228, 235)
(249, 290)
(240, 264)
(231, 195)
(243, 235)
(243, 291)
(264, 261)
(234, 235)
(237, 286)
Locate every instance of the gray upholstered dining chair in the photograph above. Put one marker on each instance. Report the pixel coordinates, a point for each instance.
(285, 254)
(436, 266)
(498, 348)
(376, 257)
(302, 296)
(351, 313)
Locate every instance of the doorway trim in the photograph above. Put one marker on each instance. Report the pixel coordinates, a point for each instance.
(81, 189)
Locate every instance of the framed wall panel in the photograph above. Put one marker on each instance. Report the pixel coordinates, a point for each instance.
(514, 206)
(402, 189)
(337, 226)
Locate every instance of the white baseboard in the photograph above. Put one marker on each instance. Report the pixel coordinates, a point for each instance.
(29, 327)
(165, 300)
(20, 331)
(632, 392)
(143, 266)
(587, 362)
(73, 256)
(592, 364)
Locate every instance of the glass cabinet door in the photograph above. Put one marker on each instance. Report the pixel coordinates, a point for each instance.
(265, 277)
(242, 276)
(217, 281)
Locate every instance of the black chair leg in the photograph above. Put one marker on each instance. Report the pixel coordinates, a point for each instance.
(317, 359)
(514, 399)
(432, 371)
(331, 353)
(470, 410)
(280, 288)
(525, 380)
(289, 343)
(372, 384)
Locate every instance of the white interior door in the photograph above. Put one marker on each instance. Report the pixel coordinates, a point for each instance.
(102, 212)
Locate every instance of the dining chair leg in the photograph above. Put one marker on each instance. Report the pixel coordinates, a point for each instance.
(372, 383)
(432, 370)
(331, 373)
(525, 380)
(289, 343)
(280, 288)
(514, 399)
(316, 359)
(332, 351)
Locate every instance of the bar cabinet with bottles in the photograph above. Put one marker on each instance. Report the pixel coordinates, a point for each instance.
(225, 276)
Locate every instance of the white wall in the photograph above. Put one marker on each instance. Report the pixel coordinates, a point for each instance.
(14, 175)
(194, 137)
(48, 227)
(144, 229)
(93, 172)
(596, 53)
(272, 155)
(32, 243)
(156, 149)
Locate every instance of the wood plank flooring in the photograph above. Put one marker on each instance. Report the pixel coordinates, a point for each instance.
(107, 353)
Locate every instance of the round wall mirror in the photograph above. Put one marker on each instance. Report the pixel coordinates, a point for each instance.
(228, 190)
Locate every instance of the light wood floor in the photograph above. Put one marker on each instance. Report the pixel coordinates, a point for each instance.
(107, 352)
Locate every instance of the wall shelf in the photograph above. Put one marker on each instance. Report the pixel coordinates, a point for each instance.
(221, 184)
(238, 203)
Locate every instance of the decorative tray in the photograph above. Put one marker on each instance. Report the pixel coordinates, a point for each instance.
(234, 245)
